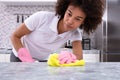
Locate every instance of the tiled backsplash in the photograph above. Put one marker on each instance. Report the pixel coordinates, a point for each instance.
(8, 19)
(7, 25)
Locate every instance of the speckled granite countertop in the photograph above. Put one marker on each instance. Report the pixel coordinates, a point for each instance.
(41, 71)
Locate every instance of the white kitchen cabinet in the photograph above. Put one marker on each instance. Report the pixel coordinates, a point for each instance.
(91, 55)
(4, 57)
(7, 58)
(88, 56)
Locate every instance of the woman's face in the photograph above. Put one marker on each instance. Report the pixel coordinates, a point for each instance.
(73, 18)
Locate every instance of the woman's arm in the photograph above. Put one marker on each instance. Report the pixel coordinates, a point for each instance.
(77, 49)
(17, 34)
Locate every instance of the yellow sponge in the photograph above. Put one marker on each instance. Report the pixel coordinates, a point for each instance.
(53, 61)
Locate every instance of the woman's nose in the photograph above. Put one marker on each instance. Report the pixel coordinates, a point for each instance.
(70, 21)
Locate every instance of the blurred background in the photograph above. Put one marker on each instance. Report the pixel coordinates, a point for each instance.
(101, 46)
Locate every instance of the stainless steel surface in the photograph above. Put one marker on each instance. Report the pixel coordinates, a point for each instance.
(107, 37)
(113, 27)
(111, 30)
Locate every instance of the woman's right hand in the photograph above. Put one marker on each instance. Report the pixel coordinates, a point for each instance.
(24, 55)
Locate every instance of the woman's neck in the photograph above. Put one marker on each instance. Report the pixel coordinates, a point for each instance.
(60, 27)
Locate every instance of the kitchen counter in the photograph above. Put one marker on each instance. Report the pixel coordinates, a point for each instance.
(41, 71)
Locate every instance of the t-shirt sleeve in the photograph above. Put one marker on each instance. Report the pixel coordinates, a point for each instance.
(77, 35)
(34, 20)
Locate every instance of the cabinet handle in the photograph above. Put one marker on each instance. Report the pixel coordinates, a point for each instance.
(22, 18)
(17, 18)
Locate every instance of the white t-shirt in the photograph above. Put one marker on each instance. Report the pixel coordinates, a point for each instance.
(44, 38)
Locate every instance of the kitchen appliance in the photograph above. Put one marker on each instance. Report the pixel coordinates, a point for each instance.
(111, 32)
(86, 44)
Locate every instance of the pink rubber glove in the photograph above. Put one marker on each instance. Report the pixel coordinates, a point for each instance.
(66, 57)
(24, 55)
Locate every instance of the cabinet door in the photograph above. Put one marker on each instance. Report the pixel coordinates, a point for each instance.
(4, 57)
(91, 57)
(7, 57)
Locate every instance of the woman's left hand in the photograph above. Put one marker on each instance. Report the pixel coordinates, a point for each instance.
(66, 57)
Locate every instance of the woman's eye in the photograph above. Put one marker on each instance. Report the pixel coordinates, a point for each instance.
(77, 19)
(69, 14)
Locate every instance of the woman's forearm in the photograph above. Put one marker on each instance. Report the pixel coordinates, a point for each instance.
(77, 49)
(17, 35)
(16, 42)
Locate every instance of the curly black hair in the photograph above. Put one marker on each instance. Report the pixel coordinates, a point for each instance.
(93, 9)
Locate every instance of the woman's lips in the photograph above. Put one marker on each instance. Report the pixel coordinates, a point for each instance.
(68, 26)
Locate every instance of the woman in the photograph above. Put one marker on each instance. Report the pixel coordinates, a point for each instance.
(44, 32)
